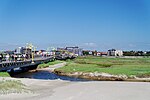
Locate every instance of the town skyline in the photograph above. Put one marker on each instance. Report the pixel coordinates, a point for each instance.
(89, 24)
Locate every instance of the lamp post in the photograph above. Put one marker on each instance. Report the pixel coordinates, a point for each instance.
(30, 46)
(33, 53)
(26, 53)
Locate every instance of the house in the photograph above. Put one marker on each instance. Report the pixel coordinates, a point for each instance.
(101, 53)
(114, 52)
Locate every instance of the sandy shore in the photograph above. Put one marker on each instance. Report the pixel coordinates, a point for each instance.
(81, 90)
(91, 90)
(38, 89)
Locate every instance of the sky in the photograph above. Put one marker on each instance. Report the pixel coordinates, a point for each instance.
(89, 24)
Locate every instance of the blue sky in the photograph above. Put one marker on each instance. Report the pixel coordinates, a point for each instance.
(90, 24)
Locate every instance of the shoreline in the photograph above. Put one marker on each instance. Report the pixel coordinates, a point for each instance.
(94, 76)
(64, 90)
(100, 76)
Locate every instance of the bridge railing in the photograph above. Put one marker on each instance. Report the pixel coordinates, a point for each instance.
(9, 65)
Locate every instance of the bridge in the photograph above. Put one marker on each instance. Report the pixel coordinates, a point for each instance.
(24, 65)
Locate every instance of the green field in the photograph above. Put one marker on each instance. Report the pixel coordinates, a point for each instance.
(127, 66)
(44, 65)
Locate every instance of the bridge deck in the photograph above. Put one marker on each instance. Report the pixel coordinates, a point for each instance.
(4, 66)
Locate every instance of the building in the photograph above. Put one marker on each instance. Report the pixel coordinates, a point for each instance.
(119, 53)
(76, 50)
(23, 50)
(114, 52)
(101, 53)
(9, 52)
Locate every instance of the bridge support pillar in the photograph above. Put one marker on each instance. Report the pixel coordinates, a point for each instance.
(11, 72)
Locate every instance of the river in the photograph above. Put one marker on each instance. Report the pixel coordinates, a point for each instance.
(45, 75)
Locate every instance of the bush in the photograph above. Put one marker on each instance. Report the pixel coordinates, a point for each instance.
(104, 65)
(80, 61)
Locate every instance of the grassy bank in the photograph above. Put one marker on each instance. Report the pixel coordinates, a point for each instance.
(44, 65)
(128, 66)
(12, 86)
(4, 74)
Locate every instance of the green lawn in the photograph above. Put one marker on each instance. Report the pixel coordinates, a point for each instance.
(44, 65)
(127, 66)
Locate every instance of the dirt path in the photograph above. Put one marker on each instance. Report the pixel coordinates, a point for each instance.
(52, 67)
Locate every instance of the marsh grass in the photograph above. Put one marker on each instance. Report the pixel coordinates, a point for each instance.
(104, 65)
(126, 66)
(4, 74)
(12, 86)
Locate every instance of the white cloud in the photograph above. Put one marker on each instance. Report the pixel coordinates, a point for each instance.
(132, 45)
(90, 44)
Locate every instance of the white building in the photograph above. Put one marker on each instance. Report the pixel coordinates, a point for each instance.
(118, 53)
(113, 52)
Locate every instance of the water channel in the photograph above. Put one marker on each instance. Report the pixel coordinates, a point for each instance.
(45, 75)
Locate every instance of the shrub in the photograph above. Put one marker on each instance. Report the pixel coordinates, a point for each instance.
(104, 65)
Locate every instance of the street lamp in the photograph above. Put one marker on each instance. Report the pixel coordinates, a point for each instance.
(26, 49)
(30, 46)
